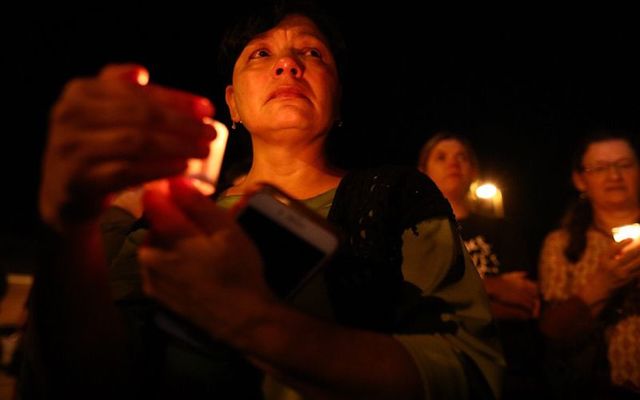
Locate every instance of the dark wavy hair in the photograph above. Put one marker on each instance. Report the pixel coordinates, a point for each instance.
(259, 16)
(579, 216)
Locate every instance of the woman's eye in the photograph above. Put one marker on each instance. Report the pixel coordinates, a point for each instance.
(312, 52)
(259, 53)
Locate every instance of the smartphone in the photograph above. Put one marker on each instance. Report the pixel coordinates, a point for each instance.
(293, 240)
(294, 243)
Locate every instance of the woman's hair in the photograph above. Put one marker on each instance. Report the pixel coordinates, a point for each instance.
(438, 137)
(265, 15)
(579, 216)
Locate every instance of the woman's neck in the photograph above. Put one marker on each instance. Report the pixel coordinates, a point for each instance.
(301, 175)
(607, 219)
(460, 208)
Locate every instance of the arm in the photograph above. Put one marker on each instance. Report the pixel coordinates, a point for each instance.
(77, 334)
(100, 141)
(326, 361)
(512, 295)
(564, 317)
(462, 354)
(217, 262)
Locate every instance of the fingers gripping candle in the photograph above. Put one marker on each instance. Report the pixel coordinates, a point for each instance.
(204, 173)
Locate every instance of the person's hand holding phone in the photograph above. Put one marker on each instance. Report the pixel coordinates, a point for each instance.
(199, 262)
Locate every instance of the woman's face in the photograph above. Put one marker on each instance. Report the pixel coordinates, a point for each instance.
(449, 166)
(285, 83)
(610, 177)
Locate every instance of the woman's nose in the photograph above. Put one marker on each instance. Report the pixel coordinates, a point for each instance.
(613, 172)
(288, 66)
(453, 163)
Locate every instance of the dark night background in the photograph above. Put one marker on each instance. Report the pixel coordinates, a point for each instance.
(522, 85)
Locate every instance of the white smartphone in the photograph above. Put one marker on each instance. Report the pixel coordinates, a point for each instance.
(294, 241)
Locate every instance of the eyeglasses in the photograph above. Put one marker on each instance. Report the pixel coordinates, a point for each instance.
(603, 168)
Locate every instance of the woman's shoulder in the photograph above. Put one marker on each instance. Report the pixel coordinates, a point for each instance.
(557, 237)
(402, 193)
(391, 177)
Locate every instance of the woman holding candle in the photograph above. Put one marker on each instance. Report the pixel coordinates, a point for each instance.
(590, 283)
(411, 317)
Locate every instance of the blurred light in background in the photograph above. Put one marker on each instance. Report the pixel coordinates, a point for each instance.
(486, 191)
(486, 198)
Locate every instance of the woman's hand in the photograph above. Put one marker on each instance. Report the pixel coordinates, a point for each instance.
(513, 296)
(618, 268)
(199, 262)
(108, 133)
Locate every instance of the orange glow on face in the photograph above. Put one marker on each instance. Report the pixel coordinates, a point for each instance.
(143, 77)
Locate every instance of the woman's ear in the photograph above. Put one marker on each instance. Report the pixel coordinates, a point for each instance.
(230, 99)
(578, 181)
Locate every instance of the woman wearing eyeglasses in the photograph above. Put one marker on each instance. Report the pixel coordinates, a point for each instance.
(589, 283)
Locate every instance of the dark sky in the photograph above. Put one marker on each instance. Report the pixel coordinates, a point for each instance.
(522, 85)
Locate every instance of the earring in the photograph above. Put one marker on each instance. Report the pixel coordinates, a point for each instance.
(340, 123)
(233, 125)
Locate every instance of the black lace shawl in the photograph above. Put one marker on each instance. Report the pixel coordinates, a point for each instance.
(372, 208)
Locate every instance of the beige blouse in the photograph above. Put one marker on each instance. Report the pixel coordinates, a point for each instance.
(560, 279)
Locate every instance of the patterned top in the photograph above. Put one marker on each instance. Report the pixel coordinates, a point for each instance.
(561, 279)
(482, 255)
(495, 245)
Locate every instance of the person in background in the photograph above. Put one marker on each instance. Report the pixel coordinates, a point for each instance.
(411, 318)
(500, 256)
(589, 283)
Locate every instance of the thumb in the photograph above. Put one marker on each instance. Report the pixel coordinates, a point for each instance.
(199, 209)
(168, 221)
(615, 252)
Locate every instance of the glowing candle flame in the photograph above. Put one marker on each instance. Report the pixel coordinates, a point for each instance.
(204, 173)
(143, 77)
(621, 233)
(486, 191)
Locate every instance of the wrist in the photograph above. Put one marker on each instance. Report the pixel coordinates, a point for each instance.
(567, 320)
(71, 216)
(594, 296)
(253, 325)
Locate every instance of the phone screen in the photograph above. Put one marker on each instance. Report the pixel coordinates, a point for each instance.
(288, 259)
(292, 247)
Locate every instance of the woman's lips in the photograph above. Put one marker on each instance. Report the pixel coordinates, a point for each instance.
(287, 93)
